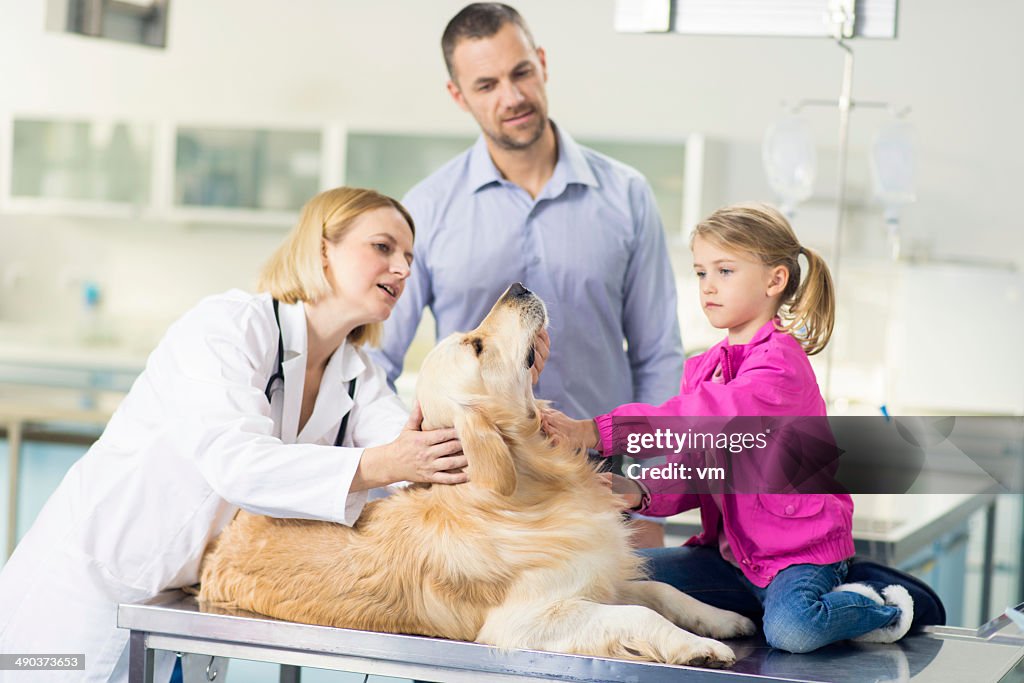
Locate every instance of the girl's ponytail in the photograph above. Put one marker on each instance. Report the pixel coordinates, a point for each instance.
(810, 315)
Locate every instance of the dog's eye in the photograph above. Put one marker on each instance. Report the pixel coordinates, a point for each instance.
(478, 345)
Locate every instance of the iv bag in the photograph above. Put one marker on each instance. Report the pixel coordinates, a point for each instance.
(892, 165)
(790, 161)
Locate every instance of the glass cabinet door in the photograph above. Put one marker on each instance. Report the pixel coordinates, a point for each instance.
(264, 170)
(81, 161)
(393, 162)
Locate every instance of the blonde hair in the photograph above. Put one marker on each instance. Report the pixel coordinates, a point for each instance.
(807, 309)
(295, 271)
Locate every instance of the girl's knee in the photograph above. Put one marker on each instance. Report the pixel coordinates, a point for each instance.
(795, 638)
(794, 630)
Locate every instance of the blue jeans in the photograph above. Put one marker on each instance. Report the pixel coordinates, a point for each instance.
(799, 612)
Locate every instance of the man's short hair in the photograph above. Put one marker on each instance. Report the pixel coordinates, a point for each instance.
(476, 21)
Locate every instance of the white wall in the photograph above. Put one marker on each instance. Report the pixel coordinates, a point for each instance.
(378, 65)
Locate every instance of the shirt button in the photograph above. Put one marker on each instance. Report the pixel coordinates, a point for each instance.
(755, 567)
(790, 509)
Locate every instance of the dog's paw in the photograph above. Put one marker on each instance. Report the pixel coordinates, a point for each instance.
(707, 653)
(730, 625)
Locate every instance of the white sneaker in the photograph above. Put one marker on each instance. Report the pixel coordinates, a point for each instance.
(894, 595)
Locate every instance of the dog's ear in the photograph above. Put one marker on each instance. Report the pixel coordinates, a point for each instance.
(490, 460)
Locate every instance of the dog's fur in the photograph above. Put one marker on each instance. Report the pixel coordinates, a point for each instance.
(531, 553)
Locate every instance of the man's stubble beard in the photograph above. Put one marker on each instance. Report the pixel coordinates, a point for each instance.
(511, 144)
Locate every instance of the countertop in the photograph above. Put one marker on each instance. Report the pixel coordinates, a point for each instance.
(49, 346)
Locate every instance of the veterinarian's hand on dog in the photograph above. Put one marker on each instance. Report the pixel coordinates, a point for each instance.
(541, 350)
(433, 456)
(564, 429)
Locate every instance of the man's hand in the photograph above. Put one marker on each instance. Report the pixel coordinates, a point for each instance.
(541, 351)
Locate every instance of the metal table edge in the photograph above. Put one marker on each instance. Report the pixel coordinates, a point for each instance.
(158, 619)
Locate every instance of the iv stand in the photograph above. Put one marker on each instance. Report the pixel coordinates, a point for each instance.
(845, 104)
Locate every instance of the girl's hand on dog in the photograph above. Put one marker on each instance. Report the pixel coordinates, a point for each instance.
(627, 489)
(579, 434)
(432, 456)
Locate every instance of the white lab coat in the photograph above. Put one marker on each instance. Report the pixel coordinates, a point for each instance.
(193, 441)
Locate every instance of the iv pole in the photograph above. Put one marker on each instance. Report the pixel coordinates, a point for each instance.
(842, 15)
(845, 105)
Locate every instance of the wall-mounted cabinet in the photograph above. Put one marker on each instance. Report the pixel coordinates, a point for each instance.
(393, 163)
(255, 170)
(165, 171)
(78, 165)
(262, 175)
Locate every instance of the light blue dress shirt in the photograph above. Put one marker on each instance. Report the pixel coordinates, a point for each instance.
(591, 245)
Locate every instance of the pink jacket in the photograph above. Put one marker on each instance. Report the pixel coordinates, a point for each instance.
(769, 376)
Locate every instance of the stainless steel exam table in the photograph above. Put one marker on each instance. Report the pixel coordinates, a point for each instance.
(174, 622)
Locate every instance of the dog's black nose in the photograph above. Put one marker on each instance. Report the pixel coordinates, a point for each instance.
(518, 290)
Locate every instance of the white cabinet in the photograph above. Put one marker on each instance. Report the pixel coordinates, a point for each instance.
(196, 172)
(78, 166)
(166, 171)
(222, 172)
(954, 339)
(393, 162)
(930, 338)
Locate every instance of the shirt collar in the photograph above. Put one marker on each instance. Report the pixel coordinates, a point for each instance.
(348, 362)
(345, 361)
(570, 157)
(570, 168)
(762, 334)
(293, 328)
(482, 171)
(765, 331)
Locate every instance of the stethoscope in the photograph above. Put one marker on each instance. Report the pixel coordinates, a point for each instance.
(279, 375)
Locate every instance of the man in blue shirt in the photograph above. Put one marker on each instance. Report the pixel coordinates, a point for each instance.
(527, 204)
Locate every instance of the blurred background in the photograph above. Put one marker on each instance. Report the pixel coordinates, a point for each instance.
(162, 158)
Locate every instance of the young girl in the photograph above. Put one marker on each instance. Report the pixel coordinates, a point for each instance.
(785, 554)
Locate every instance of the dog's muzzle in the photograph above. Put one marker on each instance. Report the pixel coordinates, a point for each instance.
(527, 303)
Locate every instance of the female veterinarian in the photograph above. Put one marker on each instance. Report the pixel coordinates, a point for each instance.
(265, 402)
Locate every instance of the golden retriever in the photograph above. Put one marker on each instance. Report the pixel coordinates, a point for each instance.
(530, 553)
